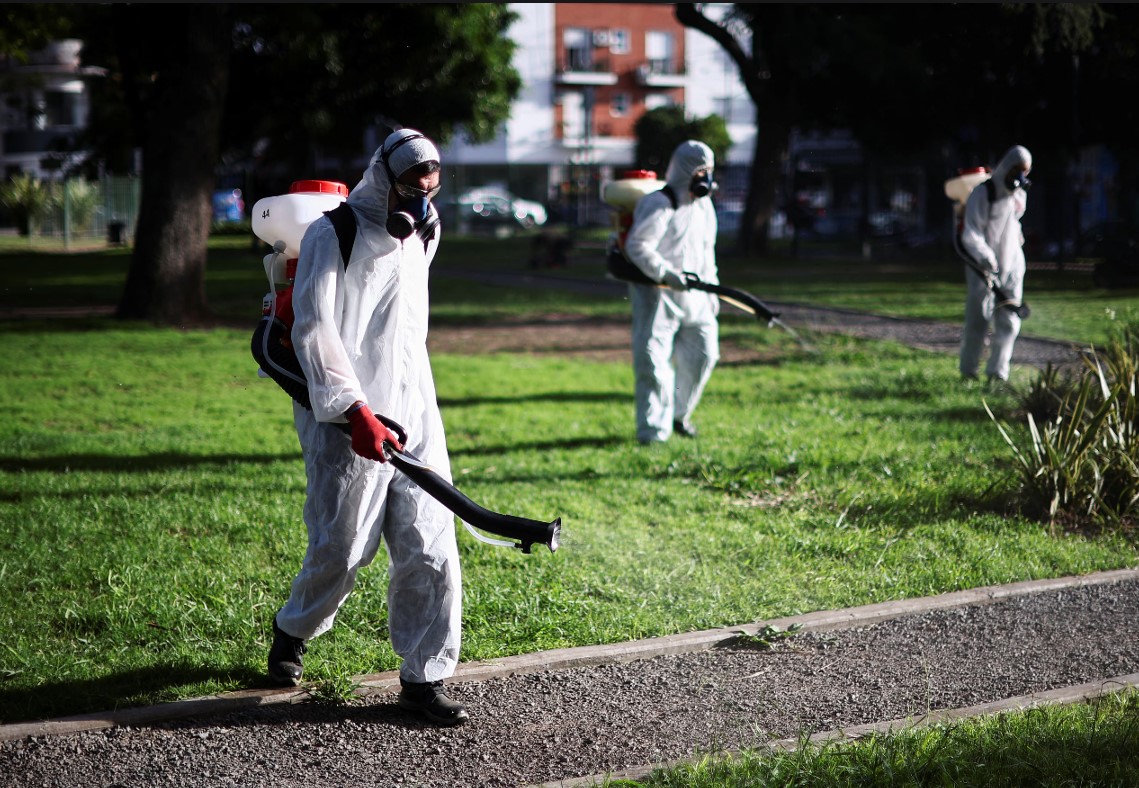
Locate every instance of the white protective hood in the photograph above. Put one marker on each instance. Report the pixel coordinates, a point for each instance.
(991, 233)
(1015, 158)
(369, 200)
(688, 157)
(680, 240)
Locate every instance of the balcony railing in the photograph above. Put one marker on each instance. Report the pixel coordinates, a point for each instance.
(661, 74)
(37, 140)
(577, 69)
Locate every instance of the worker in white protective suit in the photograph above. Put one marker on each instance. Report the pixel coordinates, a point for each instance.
(991, 237)
(361, 338)
(675, 333)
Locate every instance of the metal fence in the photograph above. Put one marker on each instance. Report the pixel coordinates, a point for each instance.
(84, 212)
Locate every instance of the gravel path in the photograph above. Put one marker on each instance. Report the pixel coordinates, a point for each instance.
(557, 725)
(609, 339)
(562, 723)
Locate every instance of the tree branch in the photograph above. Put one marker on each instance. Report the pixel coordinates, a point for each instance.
(689, 16)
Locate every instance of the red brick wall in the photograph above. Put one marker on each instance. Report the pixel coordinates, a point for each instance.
(637, 19)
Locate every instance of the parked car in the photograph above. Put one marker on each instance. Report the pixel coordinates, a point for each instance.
(229, 207)
(496, 205)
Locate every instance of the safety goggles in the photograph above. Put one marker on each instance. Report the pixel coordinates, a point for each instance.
(412, 193)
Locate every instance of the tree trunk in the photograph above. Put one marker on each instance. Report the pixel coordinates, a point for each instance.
(166, 282)
(773, 117)
(765, 178)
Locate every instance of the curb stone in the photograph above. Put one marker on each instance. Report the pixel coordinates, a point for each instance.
(557, 659)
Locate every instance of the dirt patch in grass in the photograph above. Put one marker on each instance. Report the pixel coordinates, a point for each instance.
(589, 338)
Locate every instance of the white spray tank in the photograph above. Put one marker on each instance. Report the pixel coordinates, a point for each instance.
(281, 222)
(959, 188)
(623, 195)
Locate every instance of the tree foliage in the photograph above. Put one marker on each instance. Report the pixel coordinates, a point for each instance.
(976, 77)
(282, 84)
(26, 27)
(660, 130)
(312, 78)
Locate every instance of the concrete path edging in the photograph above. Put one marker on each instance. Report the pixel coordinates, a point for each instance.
(560, 659)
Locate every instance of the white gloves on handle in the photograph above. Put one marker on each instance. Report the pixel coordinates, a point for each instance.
(673, 280)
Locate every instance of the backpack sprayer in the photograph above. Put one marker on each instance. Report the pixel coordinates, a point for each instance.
(281, 222)
(958, 189)
(623, 195)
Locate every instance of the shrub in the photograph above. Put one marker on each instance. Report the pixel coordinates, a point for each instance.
(27, 198)
(1081, 462)
(83, 198)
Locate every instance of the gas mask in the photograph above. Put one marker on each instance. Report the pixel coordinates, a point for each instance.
(1018, 179)
(412, 212)
(412, 209)
(702, 185)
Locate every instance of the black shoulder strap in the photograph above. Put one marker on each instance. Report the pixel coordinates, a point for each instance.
(344, 223)
(427, 231)
(668, 192)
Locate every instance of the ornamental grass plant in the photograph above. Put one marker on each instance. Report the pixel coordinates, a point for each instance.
(1078, 467)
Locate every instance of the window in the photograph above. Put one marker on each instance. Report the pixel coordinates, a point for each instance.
(573, 115)
(659, 52)
(60, 108)
(619, 105)
(619, 42)
(657, 100)
(578, 43)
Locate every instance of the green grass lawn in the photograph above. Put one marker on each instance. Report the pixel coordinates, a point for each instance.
(1065, 304)
(151, 488)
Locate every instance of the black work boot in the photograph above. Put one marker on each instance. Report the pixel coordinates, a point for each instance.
(685, 428)
(285, 663)
(430, 700)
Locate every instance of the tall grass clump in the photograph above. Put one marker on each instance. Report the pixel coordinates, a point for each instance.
(28, 199)
(1080, 461)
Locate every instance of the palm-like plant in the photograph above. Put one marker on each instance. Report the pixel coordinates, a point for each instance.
(1082, 462)
(27, 198)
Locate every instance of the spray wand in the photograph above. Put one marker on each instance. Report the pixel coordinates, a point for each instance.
(742, 299)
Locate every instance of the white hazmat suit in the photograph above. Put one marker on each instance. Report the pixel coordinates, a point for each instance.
(361, 335)
(675, 333)
(992, 237)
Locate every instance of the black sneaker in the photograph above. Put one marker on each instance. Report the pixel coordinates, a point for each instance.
(684, 428)
(285, 663)
(430, 700)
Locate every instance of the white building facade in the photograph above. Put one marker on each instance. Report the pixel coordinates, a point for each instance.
(589, 71)
(44, 104)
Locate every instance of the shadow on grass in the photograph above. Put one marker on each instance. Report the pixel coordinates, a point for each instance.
(116, 691)
(551, 396)
(778, 485)
(147, 462)
(65, 325)
(576, 443)
(903, 513)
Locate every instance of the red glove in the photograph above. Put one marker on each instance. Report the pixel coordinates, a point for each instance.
(369, 433)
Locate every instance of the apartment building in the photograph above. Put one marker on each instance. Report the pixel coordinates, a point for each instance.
(589, 71)
(44, 103)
